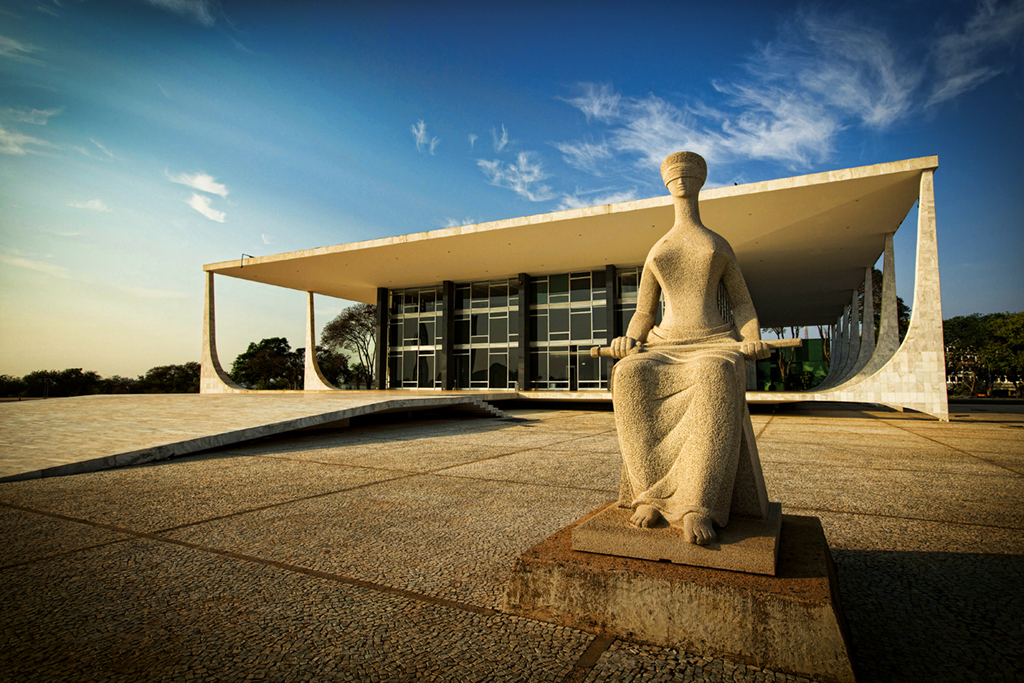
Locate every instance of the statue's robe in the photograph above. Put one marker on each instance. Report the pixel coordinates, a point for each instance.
(684, 428)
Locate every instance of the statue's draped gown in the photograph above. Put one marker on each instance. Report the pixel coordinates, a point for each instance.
(680, 403)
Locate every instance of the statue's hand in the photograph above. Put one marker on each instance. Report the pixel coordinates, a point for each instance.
(755, 350)
(621, 346)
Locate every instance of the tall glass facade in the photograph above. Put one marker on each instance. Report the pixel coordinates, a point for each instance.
(415, 338)
(568, 314)
(487, 335)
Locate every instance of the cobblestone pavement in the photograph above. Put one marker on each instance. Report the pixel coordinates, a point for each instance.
(380, 552)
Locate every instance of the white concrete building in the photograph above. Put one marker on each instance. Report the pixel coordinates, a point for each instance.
(516, 304)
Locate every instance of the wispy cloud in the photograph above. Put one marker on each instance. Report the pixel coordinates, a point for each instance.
(456, 222)
(423, 141)
(473, 137)
(957, 56)
(796, 95)
(92, 205)
(523, 177)
(50, 269)
(17, 50)
(38, 117)
(267, 239)
(199, 181)
(597, 101)
(202, 204)
(580, 200)
(102, 148)
(584, 155)
(13, 142)
(200, 11)
(47, 8)
(500, 141)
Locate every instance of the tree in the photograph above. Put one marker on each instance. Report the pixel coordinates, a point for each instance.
(11, 387)
(170, 379)
(333, 366)
(354, 330)
(983, 349)
(54, 383)
(269, 364)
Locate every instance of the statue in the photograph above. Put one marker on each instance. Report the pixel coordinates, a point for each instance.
(679, 390)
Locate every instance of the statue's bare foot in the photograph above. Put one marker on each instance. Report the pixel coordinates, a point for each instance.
(698, 529)
(645, 517)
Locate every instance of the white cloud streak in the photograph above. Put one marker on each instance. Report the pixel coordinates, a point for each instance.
(580, 200)
(92, 205)
(13, 142)
(584, 155)
(473, 137)
(523, 177)
(597, 101)
(203, 182)
(500, 142)
(199, 11)
(17, 50)
(456, 222)
(102, 148)
(424, 143)
(202, 204)
(37, 117)
(50, 269)
(957, 55)
(267, 239)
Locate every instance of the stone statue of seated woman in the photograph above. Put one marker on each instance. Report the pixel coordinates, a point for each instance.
(689, 456)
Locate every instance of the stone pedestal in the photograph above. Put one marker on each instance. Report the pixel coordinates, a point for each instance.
(790, 622)
(745, 545)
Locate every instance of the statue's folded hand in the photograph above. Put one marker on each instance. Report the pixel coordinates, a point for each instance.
(621, 346)
(755, 350)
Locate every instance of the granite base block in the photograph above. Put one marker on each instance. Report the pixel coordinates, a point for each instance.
(791, 622)
(745, 545)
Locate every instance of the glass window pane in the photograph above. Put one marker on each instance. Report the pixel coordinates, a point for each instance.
(461, 298)
(590, 368)
(558, 320)
(580, 326)
(409, 366)
(558, 365)
(498, 371)
(426, 372)
(539, 366)
(396, 302)
(461, 331)
(625, 315)
(513, 324)
(499, 295)
(479, 324)
(559, 284)
(393, 333)
(538, 328)
(426, 332)
(462, 371)
(411, 301)
(597, 279)
(538, 292)
(428, 299)
(513, 366)
(628, 284)
(499, 330)
(410, 331)
(394, 372)
(600, 321)
(580, 289)
(478, 358)
(513, 287)
(479, 290)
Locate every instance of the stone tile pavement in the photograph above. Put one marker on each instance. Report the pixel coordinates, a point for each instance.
(380, 551)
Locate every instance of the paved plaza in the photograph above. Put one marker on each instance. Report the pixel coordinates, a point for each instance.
(380, 551)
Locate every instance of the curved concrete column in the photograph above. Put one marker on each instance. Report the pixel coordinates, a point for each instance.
(212, 378)
(853, 346)
(915, 376)
(888, 331)
(867, 333)
(313, 379)
(835, 371)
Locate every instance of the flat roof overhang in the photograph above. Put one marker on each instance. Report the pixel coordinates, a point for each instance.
(802, 242)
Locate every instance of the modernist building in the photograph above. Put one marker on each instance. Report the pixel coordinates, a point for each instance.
(517, 304)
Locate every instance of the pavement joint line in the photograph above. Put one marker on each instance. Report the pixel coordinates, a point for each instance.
(588, 660)
(759, 433)
(440, 473)
(912, 519)
(283, 502)
(888, 469)
(960, 450)
(156, 536)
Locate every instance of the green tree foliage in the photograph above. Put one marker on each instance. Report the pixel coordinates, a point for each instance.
(354, 330)
(168, 379)
(61, 383)
(269, 364)
(333, 366)
(984, 349)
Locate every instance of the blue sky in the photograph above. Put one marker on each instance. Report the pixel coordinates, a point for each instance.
(141, 139)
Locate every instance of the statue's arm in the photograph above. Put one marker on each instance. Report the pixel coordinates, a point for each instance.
(643, 318)
(743, 313)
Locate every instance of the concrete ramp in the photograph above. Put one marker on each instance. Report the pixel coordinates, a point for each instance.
(55, 437)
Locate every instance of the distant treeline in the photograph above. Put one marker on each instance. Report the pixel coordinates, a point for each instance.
(163, 379)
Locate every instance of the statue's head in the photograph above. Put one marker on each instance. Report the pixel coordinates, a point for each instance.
(688, 165)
